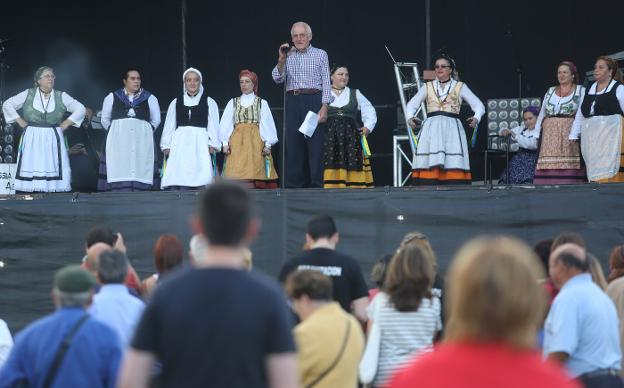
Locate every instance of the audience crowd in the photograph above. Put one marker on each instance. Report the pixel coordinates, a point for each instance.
(503, 314)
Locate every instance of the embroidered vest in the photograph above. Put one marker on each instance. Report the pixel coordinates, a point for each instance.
(248, 115)
(567, 108)
(35, 117)
(449, 104)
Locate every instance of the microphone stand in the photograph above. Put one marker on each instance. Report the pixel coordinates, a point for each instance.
(519, 69)
(283, 145)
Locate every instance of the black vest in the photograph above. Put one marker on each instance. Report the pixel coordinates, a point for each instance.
(607, 104)
(120, 110)
(192, 116)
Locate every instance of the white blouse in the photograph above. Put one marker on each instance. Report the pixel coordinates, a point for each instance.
(152, 102)
(526, 140)
(15, 103)
(369, 116)
(171, 121)
(443, 89)
(575, 133)
(557, 101)
(268, 132)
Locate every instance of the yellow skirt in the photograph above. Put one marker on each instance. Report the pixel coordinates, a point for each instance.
(340, 178)
(246, 160)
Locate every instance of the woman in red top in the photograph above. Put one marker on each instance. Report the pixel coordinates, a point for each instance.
(495, 306)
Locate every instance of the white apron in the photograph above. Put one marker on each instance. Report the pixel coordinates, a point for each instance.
(601, 144)
(189, 162)
(130, 151)
(43, 162)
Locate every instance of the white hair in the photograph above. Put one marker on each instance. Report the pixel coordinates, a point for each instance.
(198, 245)
(304, 25)
(72, 299)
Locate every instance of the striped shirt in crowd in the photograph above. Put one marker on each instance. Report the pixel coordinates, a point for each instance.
(404, 335)
(307, 69)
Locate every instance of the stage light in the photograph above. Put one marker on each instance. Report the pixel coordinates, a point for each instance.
(1, 264)
(513, 114)
(8, 137)
(400, 217)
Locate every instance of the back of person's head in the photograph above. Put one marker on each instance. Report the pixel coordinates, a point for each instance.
(225, 212)
(568, 237)
(409, 278)
(421, 241)
(493, 293)
(321, 226)
(542, 250)
(112, 267)
(100, 234)
(597, 274)
(93, 253)
(73, 287)
(616, 263)
(380, 269)
(168, 253)
(571, 255)
(313, 284)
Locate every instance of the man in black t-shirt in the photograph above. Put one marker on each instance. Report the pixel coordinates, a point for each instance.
(349, 286)
(216, 325)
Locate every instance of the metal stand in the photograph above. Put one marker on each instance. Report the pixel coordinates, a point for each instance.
(401, 153)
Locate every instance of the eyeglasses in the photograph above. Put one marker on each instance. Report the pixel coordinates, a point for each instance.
(441, 66)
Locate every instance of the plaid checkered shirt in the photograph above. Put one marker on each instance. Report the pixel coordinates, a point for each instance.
(308, 69)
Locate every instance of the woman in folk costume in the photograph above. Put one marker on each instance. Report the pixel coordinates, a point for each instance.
(42, 160)
(345, 162)
(559, 160)
(190, 136)
(131, 114)
(600, 124)
(442, 153)
(248, 131)
(522, 165)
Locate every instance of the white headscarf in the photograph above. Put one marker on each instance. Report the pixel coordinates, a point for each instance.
(201, 87)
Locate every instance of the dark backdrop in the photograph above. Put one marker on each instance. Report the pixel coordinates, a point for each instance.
(91, 43)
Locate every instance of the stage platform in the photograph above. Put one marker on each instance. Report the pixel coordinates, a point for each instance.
(42, 232)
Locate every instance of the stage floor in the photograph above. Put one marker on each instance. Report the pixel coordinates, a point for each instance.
(40, 233)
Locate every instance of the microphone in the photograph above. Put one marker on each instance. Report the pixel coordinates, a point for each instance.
(285, 49)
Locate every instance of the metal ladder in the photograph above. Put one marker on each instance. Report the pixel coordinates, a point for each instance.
(408, 84)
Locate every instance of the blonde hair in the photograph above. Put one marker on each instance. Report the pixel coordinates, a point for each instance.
(493, 293)
(597, 274)
(247, 259)
(422, 241)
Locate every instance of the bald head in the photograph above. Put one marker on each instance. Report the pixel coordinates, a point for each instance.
(572, 255)
(94, 252)
(567, 261)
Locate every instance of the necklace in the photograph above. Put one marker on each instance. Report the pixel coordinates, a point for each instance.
(45, 107)
(440, 92)
(338, 90)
